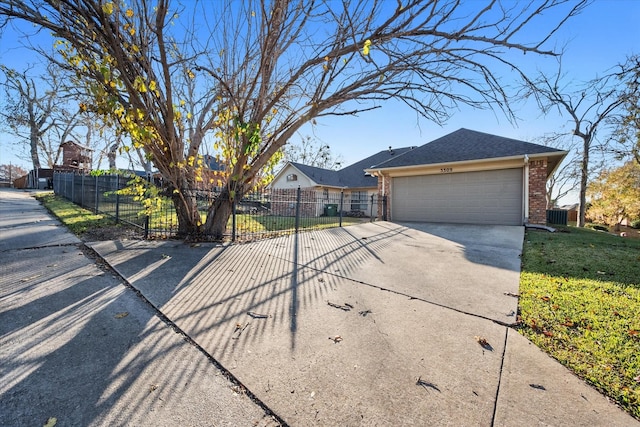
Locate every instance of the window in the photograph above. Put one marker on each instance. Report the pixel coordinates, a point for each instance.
(292, 177)
(359, 201)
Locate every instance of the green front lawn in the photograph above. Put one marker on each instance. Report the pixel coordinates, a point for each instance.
(580, 302)
(77, 219)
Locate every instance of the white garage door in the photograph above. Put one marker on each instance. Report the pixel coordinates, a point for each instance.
(486, 197)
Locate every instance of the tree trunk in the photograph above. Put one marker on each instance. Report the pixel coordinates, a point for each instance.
(187, 214)
(218, 216)
(35, 159)
(584, 175)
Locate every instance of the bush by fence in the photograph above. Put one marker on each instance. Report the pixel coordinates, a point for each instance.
(257, 215)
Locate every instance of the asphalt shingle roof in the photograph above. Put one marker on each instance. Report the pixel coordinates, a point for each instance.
(465, 144)
(320, 176)
(352, 176)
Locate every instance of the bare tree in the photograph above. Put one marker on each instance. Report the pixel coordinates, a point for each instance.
(29, 110)
(565, 178)
(313, 153)
(587, 106)
(626, 138)
(11, 172)
(265, 68)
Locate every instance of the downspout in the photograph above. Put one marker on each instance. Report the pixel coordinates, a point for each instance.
(526, 189)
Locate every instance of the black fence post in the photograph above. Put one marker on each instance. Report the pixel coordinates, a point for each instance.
(233, 220)
(341, 205)
(384, 207)
(371, 210)
(118, 205)
(146, 217)
(298, 194)
(97, 198)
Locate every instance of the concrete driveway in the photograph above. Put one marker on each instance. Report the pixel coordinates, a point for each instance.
(473, 269)
(78, 348)
(374, 324)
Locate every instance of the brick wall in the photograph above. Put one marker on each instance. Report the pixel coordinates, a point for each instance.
(537, 191)
(283, 202)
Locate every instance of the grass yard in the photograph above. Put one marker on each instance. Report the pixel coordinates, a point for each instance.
(580, 302)
(80, 220)
(77, 219)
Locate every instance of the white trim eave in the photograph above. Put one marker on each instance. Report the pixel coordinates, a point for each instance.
(564, 154)
(391, 170)
(281, 171)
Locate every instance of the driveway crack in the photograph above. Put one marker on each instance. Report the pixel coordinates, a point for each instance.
(504, 351)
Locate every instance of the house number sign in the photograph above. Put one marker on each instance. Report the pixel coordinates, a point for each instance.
(446, 170)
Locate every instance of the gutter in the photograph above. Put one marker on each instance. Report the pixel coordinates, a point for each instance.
(374, 172)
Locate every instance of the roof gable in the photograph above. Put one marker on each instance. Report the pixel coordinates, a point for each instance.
(320, 176)
(352, 176)
(463, 145)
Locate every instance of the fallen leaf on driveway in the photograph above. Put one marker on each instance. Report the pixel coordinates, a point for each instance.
(537, 386)
(258, 315)
(484, 343)
(121, 315)
(336, 339)
(426, 384)
(341, 307)
(52, 421)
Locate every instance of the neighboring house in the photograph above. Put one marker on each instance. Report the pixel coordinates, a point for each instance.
(572, 211)
(325, 187)
(469, 177)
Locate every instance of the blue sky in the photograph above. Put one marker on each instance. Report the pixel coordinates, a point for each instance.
(602, 36)
(596, 40)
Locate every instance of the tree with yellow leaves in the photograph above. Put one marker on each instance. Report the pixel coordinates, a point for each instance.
(615, 195)
(244, 76)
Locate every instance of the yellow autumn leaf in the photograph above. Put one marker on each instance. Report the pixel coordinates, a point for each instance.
(365, 49)
(129, 13)
(107, 8)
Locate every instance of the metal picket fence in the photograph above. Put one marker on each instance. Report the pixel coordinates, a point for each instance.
(258, 215)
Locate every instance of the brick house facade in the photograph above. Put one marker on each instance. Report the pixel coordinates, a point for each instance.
(537, 192)
(468, 177)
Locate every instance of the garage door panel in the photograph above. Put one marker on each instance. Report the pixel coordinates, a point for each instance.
(485, 197)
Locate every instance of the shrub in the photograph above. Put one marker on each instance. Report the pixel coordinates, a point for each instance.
(598, 227)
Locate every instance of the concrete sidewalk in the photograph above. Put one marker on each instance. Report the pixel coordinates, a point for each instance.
(79, 346)
(374, 324)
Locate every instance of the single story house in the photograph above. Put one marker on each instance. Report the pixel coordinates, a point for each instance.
(468, 177)
(326, 187)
